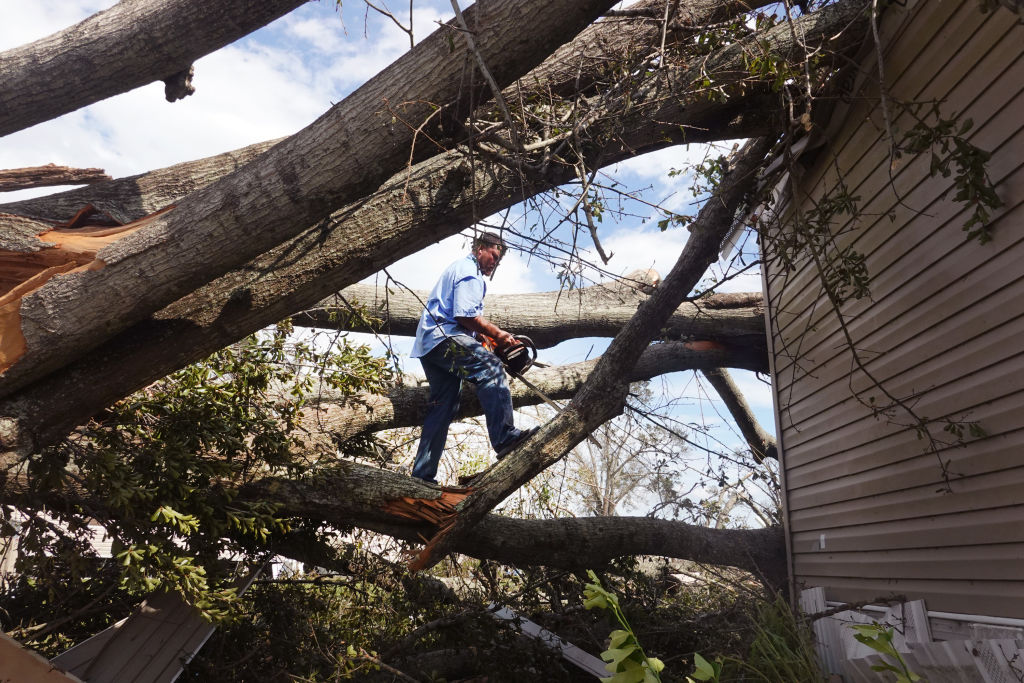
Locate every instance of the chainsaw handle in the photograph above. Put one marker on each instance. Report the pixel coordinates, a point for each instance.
(530, 346)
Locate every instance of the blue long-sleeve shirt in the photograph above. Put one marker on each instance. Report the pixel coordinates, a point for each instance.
(459, 293)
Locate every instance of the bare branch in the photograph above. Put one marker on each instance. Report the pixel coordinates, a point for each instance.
(761, 443)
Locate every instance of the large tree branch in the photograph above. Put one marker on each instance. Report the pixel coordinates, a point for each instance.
(406, 406)
(133, 43)
(548, 318)
(352, 494)
(761, 443)
(339, 158)
(128, 199)
(603, 395)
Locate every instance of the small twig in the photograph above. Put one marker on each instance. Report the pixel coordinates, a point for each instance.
(495, 90)
(670, 9)
(593, 233)
(393, 18)
(416, 131)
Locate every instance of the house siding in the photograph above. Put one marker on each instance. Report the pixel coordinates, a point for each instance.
(943, 328)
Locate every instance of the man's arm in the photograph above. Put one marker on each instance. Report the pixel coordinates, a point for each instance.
(482, 325)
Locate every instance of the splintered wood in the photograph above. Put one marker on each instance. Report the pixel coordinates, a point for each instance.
(432, 510)
(439, 511)
(32, 252)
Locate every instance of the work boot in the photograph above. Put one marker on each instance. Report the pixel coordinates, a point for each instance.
(511, 446)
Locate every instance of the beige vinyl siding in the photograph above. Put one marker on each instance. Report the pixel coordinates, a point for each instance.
(943, 329)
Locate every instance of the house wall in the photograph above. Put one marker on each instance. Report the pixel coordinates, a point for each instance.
(869, 510)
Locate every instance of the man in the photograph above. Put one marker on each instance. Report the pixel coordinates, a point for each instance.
(448, 349)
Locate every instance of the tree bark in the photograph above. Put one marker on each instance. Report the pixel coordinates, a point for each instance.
(604, 393)
(345, 418)
(761, 443)
(48, 176)
(548, 318)
(133, 43)
(339, 158)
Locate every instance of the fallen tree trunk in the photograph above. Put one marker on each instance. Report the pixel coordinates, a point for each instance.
(434, 200)
(352, 494)
(548, 318)
(407, 406)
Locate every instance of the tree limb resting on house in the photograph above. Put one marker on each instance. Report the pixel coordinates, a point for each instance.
(761, 443)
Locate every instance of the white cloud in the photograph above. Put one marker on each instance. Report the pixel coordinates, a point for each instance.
(352, 52)
(644, 247)
(25, 22)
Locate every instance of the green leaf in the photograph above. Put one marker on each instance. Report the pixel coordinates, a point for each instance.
(618, 637)
(703, 669)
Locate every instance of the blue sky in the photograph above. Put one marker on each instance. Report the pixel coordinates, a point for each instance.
(278, 80)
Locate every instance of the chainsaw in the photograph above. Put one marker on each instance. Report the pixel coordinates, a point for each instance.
(517, 357)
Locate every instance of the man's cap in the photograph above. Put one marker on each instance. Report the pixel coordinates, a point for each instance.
(490, 238)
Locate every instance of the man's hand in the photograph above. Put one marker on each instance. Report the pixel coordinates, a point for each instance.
(504, 339)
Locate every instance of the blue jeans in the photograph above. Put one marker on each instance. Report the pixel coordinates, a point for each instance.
(462, 358)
